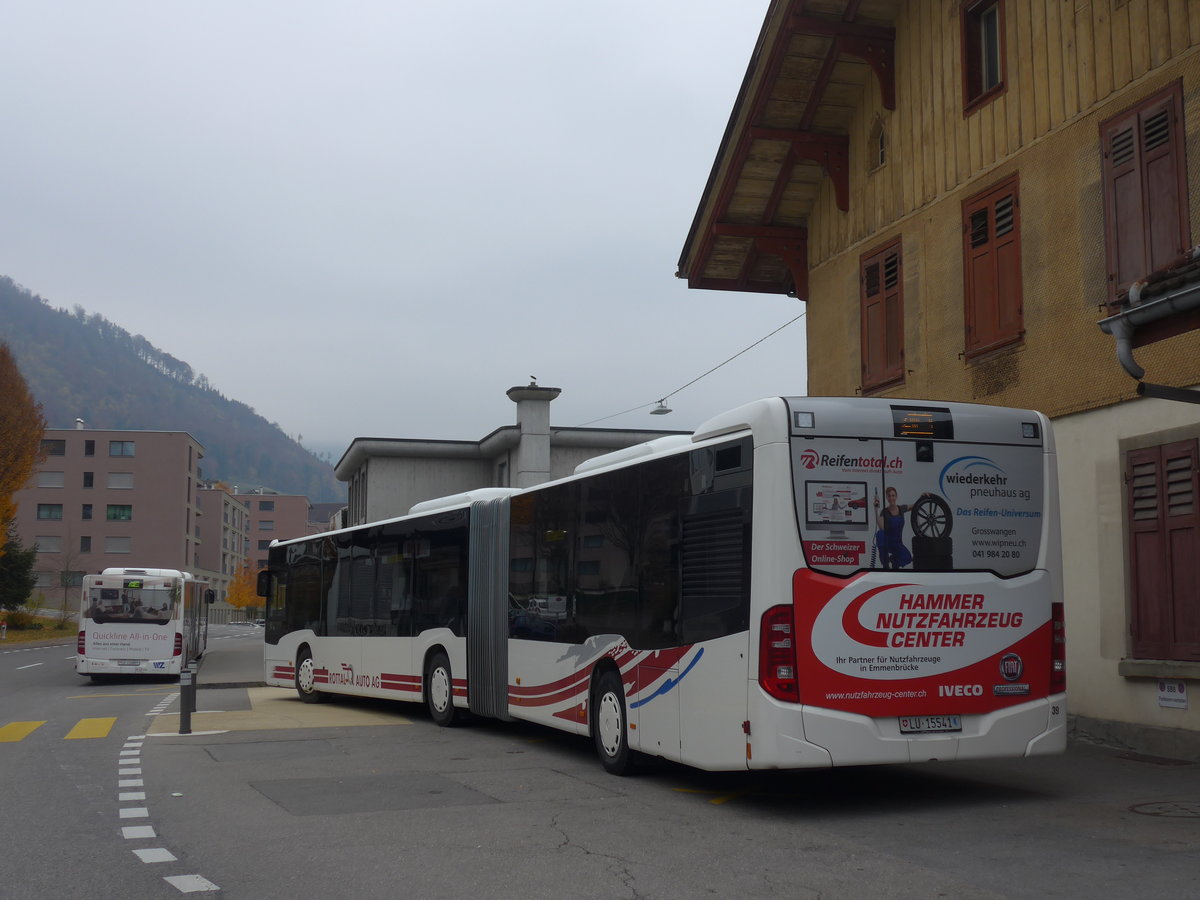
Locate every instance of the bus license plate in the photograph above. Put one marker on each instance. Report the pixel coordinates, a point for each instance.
(929, 724)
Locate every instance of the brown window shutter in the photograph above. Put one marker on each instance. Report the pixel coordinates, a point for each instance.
(1145, 189)
(1164, 540)
(992, 269)
(882, 317)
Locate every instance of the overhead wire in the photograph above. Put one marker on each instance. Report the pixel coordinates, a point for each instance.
(663, 399)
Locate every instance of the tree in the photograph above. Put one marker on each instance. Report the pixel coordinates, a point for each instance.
(243, 590)
(17, 578)
(21, 428)
(61, 567)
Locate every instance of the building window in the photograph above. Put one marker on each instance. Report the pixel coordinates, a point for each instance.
(1145, 190)
(982, 23)
(87, 511)
(85, 544)
(117, 512)
(881, 280)
(54, 447)
(48, 543)
(89, 478)
(266, 505)
(992, 268)
(264, 545)
(49, 511)
(266, 525)
(593, 541)
(120, 481)
(877, 146)
(89, 448)
(117, 544)
(120, 448)
(51, 479)
(1164, 542)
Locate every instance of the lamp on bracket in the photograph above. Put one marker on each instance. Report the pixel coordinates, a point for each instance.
(661, 410)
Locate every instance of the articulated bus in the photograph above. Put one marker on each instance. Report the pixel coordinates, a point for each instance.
(801, 582)
(141, 622)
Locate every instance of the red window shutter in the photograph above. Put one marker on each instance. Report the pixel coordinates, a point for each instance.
(882, 316)
(893, 316)
(1145, 189)
(1164, 535)
(992, 262)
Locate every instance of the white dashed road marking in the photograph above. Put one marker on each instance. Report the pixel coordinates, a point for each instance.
(129, 776)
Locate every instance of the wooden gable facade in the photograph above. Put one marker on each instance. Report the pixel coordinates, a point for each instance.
(997, 201)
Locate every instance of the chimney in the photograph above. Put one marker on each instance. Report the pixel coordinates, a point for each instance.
(531, 458)
(79, 424)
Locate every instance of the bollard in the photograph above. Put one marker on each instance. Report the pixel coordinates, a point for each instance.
(187, 692)
(4, 630)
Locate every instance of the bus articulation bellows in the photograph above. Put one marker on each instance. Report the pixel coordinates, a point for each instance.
(801, 582)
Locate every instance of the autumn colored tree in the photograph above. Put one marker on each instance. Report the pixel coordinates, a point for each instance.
(21, 428)
(243, 590)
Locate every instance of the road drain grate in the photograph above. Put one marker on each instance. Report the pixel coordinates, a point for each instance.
(1170, 809)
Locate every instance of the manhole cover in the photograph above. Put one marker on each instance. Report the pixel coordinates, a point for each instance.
(1173, 809)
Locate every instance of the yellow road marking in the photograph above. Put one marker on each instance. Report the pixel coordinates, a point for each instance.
(18, 731)
(91, 728)
(719, 799)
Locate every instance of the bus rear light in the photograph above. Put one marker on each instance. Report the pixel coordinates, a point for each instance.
(777, 655)
(178, 645)
(81, 643)
(1058, 649)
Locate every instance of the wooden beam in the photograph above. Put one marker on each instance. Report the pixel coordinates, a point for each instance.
(802, 24)
(794, 253)
(829, 150)
(880, 55)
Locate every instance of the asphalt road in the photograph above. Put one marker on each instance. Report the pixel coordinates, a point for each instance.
(272, 798)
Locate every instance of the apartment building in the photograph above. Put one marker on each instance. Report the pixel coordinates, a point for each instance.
(992, 201)
(221, 536)
(273, 517)
(110, 498)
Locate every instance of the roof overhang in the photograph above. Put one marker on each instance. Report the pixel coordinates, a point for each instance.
(789, 130)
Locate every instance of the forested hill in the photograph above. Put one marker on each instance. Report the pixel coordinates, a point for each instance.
(81, 365)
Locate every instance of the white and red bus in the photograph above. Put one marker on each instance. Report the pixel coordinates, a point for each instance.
(801, 582)
(141, 622)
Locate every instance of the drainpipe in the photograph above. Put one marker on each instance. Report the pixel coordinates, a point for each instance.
(1123, 325)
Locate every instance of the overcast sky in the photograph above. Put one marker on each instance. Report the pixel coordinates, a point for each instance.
(372, 218)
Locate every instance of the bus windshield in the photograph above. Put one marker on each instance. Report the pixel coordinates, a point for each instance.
(137, 600)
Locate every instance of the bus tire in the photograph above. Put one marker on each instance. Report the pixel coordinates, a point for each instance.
(306, 677)
(610, 726)
(439, 690)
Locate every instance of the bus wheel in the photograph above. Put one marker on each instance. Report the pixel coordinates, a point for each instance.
(609, 726)
(306, 678)
(439, 690)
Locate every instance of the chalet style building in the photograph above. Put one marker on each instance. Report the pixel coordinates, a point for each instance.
(992, 201)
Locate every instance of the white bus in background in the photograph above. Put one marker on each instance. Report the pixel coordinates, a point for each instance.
(141, 622)
(802, 582)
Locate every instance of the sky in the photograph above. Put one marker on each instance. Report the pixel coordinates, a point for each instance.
(373, 217)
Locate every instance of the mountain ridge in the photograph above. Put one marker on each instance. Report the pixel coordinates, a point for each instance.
(80, 364)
